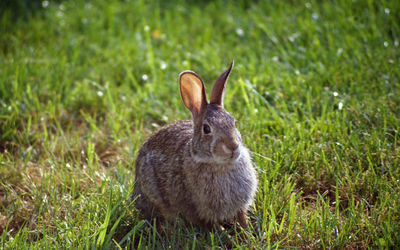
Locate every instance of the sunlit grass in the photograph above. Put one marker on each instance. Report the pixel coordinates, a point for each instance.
(315, 89)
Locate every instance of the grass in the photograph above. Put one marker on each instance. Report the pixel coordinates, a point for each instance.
(315, 89)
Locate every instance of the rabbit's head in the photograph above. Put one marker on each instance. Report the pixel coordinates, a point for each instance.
(215, 138)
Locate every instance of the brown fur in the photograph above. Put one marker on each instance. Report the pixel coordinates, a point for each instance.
(208, 178)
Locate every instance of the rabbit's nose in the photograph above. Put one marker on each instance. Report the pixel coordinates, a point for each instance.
(235, 153)
(233, 146)
(230, 145)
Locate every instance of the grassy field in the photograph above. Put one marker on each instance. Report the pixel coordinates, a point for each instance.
(315, 89)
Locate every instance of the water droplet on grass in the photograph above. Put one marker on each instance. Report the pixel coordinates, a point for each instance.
(248, 83)
(315, 16)
(293, 36)
(99, 93)
(340, 105)
(339, 51)
(385, 76)
(163, 65)
(387, 11)
(335, 93)
(59, 14)
(146, 28)
(145, 77)
(385, 44)
(45, 4)
(240, 32)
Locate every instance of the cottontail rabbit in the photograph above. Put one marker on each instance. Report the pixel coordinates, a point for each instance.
(198, 168)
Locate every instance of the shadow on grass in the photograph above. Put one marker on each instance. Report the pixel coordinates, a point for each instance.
(180, 235)
(17, 9)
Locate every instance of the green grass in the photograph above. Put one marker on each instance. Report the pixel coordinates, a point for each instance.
(315, 89)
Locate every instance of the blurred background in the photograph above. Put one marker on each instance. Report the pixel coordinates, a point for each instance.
(314, 89)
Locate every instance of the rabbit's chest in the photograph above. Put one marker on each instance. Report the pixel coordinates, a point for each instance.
(220, 197)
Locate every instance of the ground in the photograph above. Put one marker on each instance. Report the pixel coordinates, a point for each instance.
(315, 90)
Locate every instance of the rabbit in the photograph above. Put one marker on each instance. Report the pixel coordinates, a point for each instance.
(197, 168)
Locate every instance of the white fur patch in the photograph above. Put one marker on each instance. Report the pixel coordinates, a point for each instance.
(225, 148)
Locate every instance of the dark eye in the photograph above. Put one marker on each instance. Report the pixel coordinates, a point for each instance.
(206, 129)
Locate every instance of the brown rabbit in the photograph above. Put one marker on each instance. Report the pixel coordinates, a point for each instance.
(198, 168)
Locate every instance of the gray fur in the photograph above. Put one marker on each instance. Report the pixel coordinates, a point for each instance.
(207, 178)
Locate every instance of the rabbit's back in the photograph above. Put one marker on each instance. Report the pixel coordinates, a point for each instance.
(159, 182)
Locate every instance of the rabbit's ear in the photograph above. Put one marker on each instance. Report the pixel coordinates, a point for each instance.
(193, 92)
(218, 91)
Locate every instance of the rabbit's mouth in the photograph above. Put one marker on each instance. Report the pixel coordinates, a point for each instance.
(226, 160)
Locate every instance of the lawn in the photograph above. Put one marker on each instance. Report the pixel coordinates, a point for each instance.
(315, 90)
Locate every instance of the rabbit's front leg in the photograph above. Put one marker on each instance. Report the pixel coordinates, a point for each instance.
(242, 218)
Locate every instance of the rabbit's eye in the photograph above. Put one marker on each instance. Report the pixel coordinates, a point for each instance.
(206, 129)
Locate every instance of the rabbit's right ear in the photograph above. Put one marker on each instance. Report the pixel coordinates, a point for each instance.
(193, 92)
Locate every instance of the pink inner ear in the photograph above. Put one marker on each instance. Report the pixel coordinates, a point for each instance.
(192, 91)
(196, 107)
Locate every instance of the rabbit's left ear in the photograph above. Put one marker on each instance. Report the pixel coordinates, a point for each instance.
(218, 91)
(193, 93)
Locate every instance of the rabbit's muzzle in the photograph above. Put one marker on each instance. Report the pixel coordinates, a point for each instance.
(229, 151)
